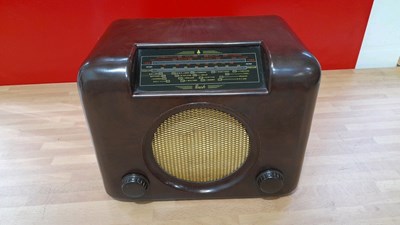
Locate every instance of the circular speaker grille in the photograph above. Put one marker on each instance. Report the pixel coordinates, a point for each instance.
(200, 145)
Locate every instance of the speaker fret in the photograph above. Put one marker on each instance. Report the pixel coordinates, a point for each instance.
(200, 145)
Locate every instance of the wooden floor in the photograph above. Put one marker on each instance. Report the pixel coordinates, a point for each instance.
(351, 174)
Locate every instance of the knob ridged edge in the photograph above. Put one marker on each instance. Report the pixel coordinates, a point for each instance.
(270, 181)
(134, 185)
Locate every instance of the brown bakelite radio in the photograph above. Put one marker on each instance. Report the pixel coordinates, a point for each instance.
(199, 108)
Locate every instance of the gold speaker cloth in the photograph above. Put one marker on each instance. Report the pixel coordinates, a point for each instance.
(200, 145)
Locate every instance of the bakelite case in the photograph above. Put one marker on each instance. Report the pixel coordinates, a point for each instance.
(122, 118)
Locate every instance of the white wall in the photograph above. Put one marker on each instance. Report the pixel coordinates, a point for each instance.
(381, 44)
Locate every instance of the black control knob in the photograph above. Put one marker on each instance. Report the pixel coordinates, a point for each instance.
(134, 185)
(270, 181)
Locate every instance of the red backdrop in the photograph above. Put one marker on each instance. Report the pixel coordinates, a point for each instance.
(46, 41)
